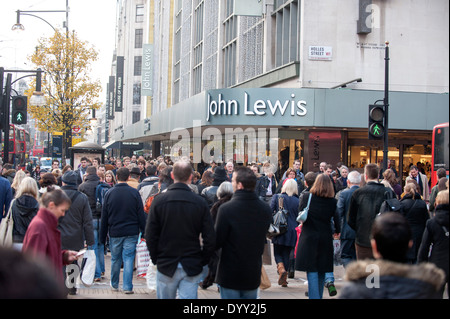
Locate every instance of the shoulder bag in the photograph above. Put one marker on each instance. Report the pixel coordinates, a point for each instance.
(6, 228)
(303, 215)
(279, 223)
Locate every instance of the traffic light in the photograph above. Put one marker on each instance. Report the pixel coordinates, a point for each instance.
(19, 110)
(376, 122)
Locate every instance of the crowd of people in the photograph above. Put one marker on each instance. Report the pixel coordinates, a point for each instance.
(211, 225)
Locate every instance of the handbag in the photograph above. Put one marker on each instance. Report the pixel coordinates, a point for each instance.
(142, 258)
(6, 229)
(303, 215)
(279, 224)
(88, 268)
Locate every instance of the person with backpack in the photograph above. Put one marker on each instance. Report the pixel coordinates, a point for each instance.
(90, 188)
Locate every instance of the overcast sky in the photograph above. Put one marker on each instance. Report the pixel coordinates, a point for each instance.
(93, 20)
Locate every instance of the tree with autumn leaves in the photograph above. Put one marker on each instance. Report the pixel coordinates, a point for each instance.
(70, 92)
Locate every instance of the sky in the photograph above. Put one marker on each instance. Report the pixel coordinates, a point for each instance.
(93, 20)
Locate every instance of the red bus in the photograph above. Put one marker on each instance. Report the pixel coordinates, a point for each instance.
(19, 141)
(440, 151)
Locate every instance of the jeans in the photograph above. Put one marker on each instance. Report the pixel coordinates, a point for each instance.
(226, 293)
(283, 254)
(123, 249)
(316, 281)
(99, 250)
(187, 286)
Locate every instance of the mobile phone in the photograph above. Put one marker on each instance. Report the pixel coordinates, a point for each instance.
(81, 252)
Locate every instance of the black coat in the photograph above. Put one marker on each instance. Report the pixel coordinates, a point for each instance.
(315, 250)
(241, 229)
(177, 219)
(364, 207)
(23, 211)
(76, 225)
(416, 212)
(88, 187)
(434, 235)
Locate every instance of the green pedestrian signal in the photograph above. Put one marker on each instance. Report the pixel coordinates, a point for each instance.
(376, 122)
(19, 110)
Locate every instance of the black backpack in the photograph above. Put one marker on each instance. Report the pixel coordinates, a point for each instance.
(390, 203)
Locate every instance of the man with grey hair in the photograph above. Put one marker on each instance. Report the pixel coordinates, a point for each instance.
(348, 252)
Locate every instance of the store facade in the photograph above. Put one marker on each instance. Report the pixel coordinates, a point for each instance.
(282, 124)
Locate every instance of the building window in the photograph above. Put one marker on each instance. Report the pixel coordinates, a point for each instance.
(138, 38)
(138, 65)
(230, 45)
(137, 94)
(286, 20)
(136, 116)
(140, 13)
(197, 73)
(177, 55)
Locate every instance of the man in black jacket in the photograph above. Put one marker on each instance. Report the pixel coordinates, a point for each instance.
(241, 229)
(364, 207)
(176, 220)
(124, 218)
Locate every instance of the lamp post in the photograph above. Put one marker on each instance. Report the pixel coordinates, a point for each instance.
(19, 27)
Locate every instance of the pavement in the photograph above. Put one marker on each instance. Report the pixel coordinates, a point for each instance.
(296, 289)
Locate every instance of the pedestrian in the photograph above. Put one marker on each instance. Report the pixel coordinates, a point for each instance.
(341, 182)
(315, 252)
(81, 170)
(206, 181)
(36, 173)
(441, 173)
(177, 219)
(390, 181)
(421, 180)
(269, 182)
(284, 245)
(43, 239)
(241, 229)
(24, 208)
(229, 168)
(224, 194)
(76, 226)
(348, 252)
(416, 212)
(123, 218)
(209, 193)
(5, 196)
(395, 279)
(148, 182)
(110, 178)
(434, 245)
(18, 178)
(365, 205)
(135, 175)
(47, 181)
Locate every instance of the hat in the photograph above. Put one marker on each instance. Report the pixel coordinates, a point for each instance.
(70, 178)
(220, 174)
(135, 171)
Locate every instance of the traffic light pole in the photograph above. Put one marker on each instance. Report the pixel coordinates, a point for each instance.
(6, 99)
(386, 111)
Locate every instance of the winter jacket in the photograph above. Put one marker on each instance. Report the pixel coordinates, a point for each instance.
(416, 212)
(434, 236)
(146, 186)
(364, 207)
(76, 225)
(315, 251)
(241, 229)
(88, 187)
(175, 222)
(24, 209)
(396, 281)
(43, 240)
(5, 196)
(122, 213)
(290, 204)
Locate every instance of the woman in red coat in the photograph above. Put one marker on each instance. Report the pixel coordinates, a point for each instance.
(43, 239)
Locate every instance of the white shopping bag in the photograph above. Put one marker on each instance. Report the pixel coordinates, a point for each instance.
(142, 258)
(151, 276)
(88, 268)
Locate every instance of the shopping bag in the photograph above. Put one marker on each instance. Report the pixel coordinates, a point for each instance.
(337, 252)
(151, 276)
(88, 264)
(142, 258)
(6, 229)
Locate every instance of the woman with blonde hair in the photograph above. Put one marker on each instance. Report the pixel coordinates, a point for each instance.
(110, 178)
(23, 209)
(315, 245)
(284, 245)
(18, 178)
(416, 212)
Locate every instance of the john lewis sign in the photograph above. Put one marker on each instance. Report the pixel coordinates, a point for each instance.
(258, 103)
